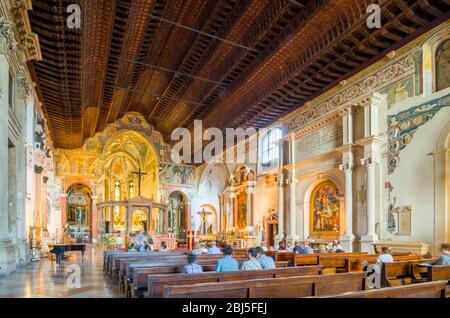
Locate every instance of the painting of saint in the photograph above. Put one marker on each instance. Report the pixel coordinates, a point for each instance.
(325, 209)
(242, 211)
(443, 66)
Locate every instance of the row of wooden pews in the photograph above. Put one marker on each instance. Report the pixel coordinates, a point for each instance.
(160, 275)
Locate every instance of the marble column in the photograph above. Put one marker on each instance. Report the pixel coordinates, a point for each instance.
(348, 238)
(280, 185)
(24, 94)
(347, 168)
(7, 250)
(372, 153)
(292, 182)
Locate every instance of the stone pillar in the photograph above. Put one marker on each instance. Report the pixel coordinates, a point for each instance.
(7, 251)
(292, 182)
(280, 184)
(347, 168)
(24, 94)
(371, 144)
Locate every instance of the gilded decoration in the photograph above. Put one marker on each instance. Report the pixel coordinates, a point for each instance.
(402, 127)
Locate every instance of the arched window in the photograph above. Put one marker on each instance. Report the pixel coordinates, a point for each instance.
(270, 147)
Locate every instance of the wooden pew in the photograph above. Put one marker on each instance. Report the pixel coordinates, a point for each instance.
(131, 267)
(401, 272)
(120, 263)
(289, 287)
(128, 279)
(354, 264)
(437, 289)
(327, 260)
(141, 275)
(438, 272)
(156, 283)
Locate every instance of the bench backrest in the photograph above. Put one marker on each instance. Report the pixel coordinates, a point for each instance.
(289, 287)
(325, 259)
(436, 289)
(132, 267)
(283, 256)
(438, 272)
(354, 264)
(155, 284)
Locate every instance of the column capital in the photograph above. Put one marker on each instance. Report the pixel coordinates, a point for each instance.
(8, 44)
(346, 167)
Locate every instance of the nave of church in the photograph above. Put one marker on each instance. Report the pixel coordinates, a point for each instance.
(135, 134)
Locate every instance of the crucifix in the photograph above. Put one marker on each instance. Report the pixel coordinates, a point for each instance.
(139, 174)
(204, 214)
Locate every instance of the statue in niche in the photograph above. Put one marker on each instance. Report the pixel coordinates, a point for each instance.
(443, 66)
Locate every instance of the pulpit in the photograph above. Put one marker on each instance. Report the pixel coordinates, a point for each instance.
(404, 247)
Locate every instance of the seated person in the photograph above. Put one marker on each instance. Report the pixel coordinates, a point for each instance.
(385, 256)
(197, 250)
(335, 246)
(192, 267)
(322, 249)
(132, 248)
(289, 247)
(163, 247)
(227, 263)
(303, 248)
(265, 261)
(151, 247)
(203, 248)
(142, 247)
(281, 247)
(214, 249)
(252, 264)
(444, 259)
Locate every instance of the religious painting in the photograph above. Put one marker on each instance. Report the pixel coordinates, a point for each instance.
(78, 205)
(443, 66)
(325, 209)
(242, 210)
(139, 221)
(177, 217)
(179, 175)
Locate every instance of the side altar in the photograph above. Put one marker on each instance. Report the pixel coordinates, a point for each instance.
(138, 215)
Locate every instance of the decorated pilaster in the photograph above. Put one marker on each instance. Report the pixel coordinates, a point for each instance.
(292, 183)
(280, 184)
(371, 160)
(347, 168)
(7, 251)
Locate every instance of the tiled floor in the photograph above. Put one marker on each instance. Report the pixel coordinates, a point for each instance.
(46, 279)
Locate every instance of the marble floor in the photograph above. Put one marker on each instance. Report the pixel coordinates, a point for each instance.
(48, 280)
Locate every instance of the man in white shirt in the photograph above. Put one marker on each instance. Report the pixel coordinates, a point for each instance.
(385, 256)
(214, 249)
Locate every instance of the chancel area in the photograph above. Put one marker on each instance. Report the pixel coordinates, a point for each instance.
(343, 167)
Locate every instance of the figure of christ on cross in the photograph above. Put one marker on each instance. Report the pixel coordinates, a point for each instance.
(139, 174)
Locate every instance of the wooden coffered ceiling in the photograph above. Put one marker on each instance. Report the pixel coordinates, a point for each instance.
(228, 62)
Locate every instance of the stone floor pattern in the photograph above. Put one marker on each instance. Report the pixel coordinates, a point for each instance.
(46, 279)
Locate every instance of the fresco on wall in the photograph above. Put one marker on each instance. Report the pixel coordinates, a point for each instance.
(443, 66)
(325, 209)
(403, 126)
(178, 175)
(399, 91)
